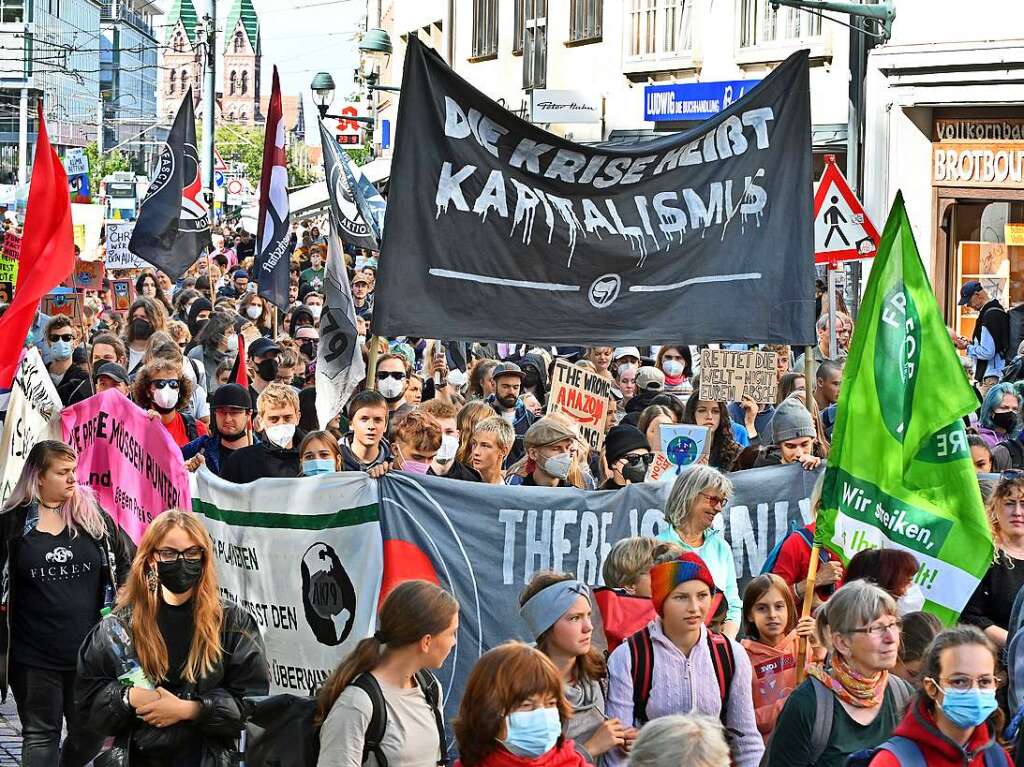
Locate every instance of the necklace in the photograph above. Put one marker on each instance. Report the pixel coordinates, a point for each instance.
(51, 508)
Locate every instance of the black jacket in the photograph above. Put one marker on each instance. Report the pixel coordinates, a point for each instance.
(242, 670)
(75, 386)
(994, 318)
(263, 459)
(116, 549)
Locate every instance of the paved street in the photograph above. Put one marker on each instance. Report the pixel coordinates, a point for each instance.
(10, 734)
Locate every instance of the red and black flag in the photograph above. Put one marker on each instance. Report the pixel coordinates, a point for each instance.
(274, 251)
(173, 226)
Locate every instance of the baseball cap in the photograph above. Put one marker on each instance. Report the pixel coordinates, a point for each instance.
(111, 370)
(262, 346)
(507, 369)
(968, 289)
(240, 273)
(625, 351)
(232, 395)
(650, 378)
(360, 277)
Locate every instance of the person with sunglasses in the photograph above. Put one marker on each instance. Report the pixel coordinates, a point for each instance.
(392, 380)
(161, 387)
(697, 497)
(197, 656)
(858, 698)
(627, 454)
(954, 719)
(990, 606)
(72, 382)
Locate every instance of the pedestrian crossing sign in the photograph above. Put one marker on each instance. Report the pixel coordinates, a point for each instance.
(842, 230)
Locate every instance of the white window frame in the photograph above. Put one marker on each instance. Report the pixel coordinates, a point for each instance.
(752, 45)
(647, 44)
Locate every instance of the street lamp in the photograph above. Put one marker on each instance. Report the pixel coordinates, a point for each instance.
(323, 92)
(375, 49)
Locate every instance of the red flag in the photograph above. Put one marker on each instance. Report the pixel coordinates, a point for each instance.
(47, 251)
(241, 370)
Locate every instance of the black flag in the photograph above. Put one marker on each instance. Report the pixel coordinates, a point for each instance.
(272, 259)
(173, 227)
(356, 203)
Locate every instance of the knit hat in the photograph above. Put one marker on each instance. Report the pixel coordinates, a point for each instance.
(791, 421)
(547, 431)
(666, 576)
(622, 439)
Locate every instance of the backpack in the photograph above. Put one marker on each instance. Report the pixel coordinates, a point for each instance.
(379, 718)
(805, 535)
(908, 754)
(281, 731)
(191, 432)
(641, 656)
(621, 614)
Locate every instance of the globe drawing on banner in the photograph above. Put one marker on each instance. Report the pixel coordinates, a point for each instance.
(682, 451)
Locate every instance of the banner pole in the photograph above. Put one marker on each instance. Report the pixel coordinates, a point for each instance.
(809, 378)
(371, 364)
(812, 572)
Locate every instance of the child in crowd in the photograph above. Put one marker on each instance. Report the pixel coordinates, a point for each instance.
(364, 447)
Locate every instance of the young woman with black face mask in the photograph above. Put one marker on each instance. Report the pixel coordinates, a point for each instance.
(193, 655)
(145, 317)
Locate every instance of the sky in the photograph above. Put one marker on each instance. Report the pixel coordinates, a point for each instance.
(302, 37)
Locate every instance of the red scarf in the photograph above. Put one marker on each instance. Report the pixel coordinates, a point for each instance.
(560, 756)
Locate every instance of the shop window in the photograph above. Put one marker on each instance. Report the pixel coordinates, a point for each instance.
(983, 237)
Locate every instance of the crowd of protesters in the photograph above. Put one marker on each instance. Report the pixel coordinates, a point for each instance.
(707, 675)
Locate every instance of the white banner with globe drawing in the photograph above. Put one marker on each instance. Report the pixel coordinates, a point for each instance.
(304, 557)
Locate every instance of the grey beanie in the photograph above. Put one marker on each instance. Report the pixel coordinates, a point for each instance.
(791, 421)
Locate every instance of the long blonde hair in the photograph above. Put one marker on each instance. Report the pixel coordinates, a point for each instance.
(207, 611)
(1000, 493)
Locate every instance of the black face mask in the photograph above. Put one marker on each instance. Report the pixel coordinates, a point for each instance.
(232, 437)
(1005, 421)
(141, 329)
(637, 472)
(532, 379)
(298, 382)
(180, 575)
(309, 349)
(267, 370)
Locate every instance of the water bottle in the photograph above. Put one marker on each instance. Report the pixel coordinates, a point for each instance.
(132, 674)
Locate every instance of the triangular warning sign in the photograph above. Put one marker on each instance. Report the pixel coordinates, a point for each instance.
(218, 163)
(842, 230)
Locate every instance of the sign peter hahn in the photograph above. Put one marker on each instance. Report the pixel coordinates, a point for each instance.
(560, 106)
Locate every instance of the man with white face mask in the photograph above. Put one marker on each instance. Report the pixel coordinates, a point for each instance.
(444, 463)
(315, 303)
(277, 453)
(549, 455)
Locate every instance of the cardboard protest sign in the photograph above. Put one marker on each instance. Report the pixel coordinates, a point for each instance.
(130, 461)
(682, 445)
(12, 246)
(727, 376)
(119, 234)
(583, 396)
(33, 414)
(8, 270)
(88, 275)
(123, 294)
(304, 557)
(67, 304)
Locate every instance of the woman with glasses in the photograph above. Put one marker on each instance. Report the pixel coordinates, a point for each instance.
(166, 671)
(857, 698)
(954, 719)
(62, 559)
(990, 605)
(698, 496)
(161, 387)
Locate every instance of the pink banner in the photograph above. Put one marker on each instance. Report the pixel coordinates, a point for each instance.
(130, 461)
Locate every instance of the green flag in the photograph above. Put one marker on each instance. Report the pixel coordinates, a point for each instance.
(900, 473)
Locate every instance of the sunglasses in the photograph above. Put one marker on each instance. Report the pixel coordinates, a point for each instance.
(1012, 475)
(636, 460)
(716, 501)
(62, 337)
(396, 374)
(164, 383)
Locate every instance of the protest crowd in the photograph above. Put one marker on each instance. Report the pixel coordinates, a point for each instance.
(123, 645)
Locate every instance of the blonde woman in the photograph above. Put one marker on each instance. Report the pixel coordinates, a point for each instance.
(199, 655)
(989, 607)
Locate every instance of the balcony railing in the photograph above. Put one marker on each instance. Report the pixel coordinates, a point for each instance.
(116, 10)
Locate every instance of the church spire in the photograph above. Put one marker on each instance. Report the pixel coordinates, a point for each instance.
(241, 10)
(185, 12)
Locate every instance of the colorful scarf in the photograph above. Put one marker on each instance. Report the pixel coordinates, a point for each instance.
(850, 686)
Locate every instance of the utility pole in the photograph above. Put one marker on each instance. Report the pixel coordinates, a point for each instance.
(23, 138)
(209, 101)
(99, 127)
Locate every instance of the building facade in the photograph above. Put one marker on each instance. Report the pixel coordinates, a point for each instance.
(945, 124)
(240, 89)
(182, 64)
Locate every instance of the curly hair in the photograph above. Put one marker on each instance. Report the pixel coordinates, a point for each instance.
(161, 368)
(724, 447)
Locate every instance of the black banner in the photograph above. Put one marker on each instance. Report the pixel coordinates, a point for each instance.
(173, 227)
(703, 236)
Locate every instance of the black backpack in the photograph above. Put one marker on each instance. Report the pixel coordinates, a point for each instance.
(281, 731)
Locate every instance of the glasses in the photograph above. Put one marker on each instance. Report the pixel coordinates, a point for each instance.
(163, 383)
(231, 411)
(398, 375)
(638, 458)
(62, 337)
(1012, 474)
(877, 632)
(963, 683)
(191, 554)
(716, 501)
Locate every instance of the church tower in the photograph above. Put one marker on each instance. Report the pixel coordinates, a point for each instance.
(181, 64)
(240, 101)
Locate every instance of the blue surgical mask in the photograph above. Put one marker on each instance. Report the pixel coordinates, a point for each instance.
(316, 466)
(968, 708)
(532, 733)
(60, 350)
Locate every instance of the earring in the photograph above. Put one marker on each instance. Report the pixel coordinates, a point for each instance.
(152, 580)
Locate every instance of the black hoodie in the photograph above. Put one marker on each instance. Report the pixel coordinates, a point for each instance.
(263, 459)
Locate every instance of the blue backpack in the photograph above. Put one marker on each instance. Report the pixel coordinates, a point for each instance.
(805, 536)
(908, 754)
